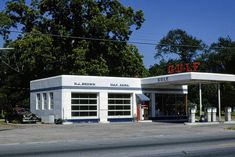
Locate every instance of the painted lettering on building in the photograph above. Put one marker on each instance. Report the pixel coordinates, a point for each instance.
(119, 85)
(178, 68)
(162, 79)
(84, 84)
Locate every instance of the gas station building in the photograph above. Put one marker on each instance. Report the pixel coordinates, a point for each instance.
(75, 98)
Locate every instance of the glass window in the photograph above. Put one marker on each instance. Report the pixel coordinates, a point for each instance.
(84, 104)
(119, 104)
(45, 103)
(51, 97)
(170, 104)
(38, 102)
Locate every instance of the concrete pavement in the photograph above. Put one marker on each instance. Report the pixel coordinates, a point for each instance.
(116, 139)
(43, 133)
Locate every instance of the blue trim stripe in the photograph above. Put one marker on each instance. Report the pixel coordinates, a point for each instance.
(82, 120)
(81, 87)
(121, 119)
(46, 89)
(102, 88)
(161, 89)
(98, 120)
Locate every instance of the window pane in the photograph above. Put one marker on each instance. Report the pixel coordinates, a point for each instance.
(127, 107)
(51, 100)
(92, 95)
(119, 101)
(84, 95)
(92, 107)
(92, 113)
(75, 107)
(119, 113)
(84, 114)
(75, 95)
(75, 101)
(126, 113)
(111, 102)
(111, 107)
(83, 107)
(84, 102)
(126, 102)
(75, 114)
(111, 95)
(119, 107)
(38, 106)
(92, 101)
(111, 113)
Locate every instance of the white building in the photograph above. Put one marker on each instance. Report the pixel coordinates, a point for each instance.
(109, 99)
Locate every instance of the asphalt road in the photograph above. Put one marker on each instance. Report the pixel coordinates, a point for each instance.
(165, 141)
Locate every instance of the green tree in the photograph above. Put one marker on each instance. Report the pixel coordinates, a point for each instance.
(162, 67)
(179, 44)
(70, 21)
(221, 56)
(85, 37)
(220, 59)
(5, 23)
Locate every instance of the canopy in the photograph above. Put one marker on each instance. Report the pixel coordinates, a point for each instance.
(142, 97)
(191, 78)
(188, 78)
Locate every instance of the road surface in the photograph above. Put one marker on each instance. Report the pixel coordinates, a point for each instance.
(149, 141)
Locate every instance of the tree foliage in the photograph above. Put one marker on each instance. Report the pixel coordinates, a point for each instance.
(179, 43)
(221, 56)
(82, 37)
(217, 58)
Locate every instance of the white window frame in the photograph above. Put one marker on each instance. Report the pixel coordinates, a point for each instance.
(85, 105)
(121, 110)
(45, 101)
(38, 101)
(51, 101)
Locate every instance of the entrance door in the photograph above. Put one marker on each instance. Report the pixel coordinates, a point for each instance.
(146, 113)
(142, 112)
(145, 110)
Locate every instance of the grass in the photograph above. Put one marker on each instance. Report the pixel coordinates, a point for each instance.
(2, 121)
(233, 113)
(231, 128)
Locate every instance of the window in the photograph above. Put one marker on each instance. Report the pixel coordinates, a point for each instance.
(119, 104)
(170, 104)
(51, 101)
(38, 102)
(45, 102)
(84, 104)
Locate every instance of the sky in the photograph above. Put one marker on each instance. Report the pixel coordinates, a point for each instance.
(204, 19)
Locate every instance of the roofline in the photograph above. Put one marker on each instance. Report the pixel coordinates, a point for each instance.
(153, 77)
(189, 78)
(189, 73)
(79, 76)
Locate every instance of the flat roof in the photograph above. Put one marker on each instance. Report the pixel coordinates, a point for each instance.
(188, 78)
(85, 76)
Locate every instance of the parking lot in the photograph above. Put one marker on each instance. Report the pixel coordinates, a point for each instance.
(26, 133)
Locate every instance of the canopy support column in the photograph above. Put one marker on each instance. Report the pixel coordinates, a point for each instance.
(186, 104)
(219, 102)
(153, 106)
(200, 98)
